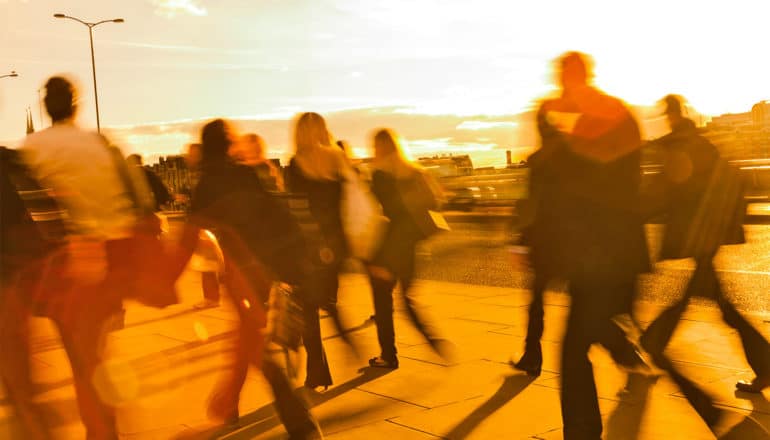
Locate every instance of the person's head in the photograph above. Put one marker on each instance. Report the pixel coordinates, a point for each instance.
(249, 150)
(673, 109)
(135, 159)
(216, 138)
(310, 132)
(193, 156)
(386, 143)
(575, 70)
(60, 98)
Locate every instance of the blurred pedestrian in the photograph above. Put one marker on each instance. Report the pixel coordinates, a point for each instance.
(261, 242)
(702, 199)
(82, 170)
(207, 258)
(250, 150)
(407, 195)
(594, 162)
(316, 173)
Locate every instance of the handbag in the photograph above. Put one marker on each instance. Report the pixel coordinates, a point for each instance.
(143, 258)
(284, 317)
(363, 223)
(422, 197)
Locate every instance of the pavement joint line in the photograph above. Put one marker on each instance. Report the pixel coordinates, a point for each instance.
(390, 420)
(429, 362)
(393, 398)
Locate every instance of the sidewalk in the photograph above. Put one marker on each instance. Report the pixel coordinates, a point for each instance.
(166, 362)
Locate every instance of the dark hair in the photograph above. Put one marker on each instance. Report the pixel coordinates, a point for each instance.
(576, 66)
(59, 98)
(673, 104)
(214, 141)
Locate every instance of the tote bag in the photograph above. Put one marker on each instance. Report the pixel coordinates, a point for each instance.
(362, 219)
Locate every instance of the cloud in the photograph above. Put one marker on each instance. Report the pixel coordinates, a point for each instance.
(171, 8)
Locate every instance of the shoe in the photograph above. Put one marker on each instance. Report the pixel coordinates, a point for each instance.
(755, 386)
(380, 362)
(206, 304)
(531, 362)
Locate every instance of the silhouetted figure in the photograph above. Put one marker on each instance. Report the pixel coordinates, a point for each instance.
(250, 150)
(86, 288)
(315, 174)
(207, 258)
(595, 237)
(703, 201)
(261, 242)
(159, 191)
(22, 245)
(406, 193)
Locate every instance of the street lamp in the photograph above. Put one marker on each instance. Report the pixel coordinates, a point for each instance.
(91, 26)
(13, 74)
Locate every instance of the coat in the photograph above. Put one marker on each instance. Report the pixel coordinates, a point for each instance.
(703, 196)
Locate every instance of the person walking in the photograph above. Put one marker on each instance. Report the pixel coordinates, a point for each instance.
(85, 292)
(407, 195)
(315, 175)
(702, 199)
(261, 242)
(595, 170)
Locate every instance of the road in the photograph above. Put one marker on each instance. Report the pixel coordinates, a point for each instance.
(475, 253)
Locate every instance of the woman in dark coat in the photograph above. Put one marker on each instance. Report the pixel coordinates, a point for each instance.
(315, 177)
(261, 242)
(406, 193)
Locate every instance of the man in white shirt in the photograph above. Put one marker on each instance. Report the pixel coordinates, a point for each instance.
(78, 166)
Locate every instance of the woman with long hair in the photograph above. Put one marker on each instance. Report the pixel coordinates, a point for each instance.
(316, 173)
(260, 242)
(406, 193)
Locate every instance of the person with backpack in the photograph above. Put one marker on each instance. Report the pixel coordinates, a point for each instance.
(409, 197)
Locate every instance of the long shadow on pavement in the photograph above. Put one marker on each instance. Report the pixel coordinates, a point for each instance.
(625, 421)
(511, 387)
(264, 419)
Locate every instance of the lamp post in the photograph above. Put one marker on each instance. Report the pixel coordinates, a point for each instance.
(13, 74)
(91, 26)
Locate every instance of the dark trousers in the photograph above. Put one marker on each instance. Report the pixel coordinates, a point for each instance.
(536, 314)
(594, 303)
(704, 282)
(210, 285)
(252, 284)
(657, 336)
(382, 291)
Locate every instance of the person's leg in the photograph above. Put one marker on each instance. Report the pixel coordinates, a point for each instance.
(294, 415)
(82, 335)
(210, 285)
(579, 401)
(532, 359)
(382, 292)
(405, 274)
(248, 345)
(755, 346)
(318, 373)
(657, 335)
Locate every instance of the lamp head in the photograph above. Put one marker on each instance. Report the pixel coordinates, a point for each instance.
(118, 20)
(13, 73)
(59, 15)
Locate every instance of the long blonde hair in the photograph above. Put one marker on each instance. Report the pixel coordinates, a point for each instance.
(315, 151)
(389, 156)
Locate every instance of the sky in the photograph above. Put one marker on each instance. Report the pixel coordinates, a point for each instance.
(450, 75)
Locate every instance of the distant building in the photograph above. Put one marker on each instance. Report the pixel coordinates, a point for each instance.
(447, 166)
(177, 177)
(742, 135)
